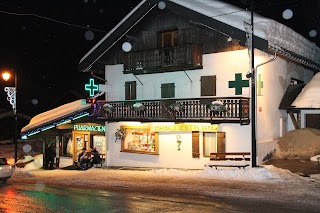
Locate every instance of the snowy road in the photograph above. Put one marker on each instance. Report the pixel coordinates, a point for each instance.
(185, 191)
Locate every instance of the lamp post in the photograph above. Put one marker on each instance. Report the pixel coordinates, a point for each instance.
(12, 98)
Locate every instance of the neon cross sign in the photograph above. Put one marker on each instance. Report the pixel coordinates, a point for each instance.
(91, 87)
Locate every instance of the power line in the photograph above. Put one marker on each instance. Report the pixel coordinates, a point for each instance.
(53, 20)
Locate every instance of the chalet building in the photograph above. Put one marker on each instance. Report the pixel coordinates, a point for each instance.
(179, 83)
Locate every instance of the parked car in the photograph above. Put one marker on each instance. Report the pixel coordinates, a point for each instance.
(6, 170)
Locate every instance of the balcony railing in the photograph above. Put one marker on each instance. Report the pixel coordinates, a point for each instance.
(228, 110)
(187, 56)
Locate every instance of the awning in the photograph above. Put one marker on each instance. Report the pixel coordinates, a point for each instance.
(55, 117)
(290, 95)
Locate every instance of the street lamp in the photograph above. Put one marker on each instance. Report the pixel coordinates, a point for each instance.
(12, 98)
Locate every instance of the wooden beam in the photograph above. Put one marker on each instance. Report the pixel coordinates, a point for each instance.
(296, 124)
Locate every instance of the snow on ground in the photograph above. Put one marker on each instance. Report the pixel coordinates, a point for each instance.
(266, 173)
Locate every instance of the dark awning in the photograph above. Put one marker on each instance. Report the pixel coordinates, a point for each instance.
(290, 95)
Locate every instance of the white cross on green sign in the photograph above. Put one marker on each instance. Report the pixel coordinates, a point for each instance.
(91, 87)
(238, 83)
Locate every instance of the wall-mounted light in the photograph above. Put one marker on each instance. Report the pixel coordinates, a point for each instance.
(229, 39)
(249, 75)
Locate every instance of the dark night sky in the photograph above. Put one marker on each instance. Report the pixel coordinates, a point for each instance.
(45, 53)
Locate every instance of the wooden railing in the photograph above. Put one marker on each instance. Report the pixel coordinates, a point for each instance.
(187, 56)
(235, 110)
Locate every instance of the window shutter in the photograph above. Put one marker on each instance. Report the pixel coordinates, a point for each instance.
(167, 90)
(133, 90)
(208, 85)
(127, 90)
(130, 90)
(195, 145)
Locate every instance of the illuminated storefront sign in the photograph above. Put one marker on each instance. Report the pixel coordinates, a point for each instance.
(90, 128)
(185, 127)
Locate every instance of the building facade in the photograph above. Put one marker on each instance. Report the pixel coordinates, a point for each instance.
(178, 86)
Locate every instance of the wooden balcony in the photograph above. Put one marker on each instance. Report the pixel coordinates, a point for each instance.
(175, 58)
(235, 110)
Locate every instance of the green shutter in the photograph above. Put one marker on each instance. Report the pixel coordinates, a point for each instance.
(167, 90)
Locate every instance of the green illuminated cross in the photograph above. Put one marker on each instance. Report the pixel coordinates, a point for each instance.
(91, 87)
(260, 85)
(238, 83)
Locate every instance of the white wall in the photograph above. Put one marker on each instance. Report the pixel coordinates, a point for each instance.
(169, 155)
(276, 76)
(223, 65)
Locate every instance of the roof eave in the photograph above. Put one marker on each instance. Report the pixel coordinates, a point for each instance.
(140, 11)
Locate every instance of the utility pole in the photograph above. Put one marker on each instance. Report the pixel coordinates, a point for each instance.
(253, 100)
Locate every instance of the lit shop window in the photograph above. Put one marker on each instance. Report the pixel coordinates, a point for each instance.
(140, 141)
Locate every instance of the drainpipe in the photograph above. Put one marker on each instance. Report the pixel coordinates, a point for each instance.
(254, 109)
(270, 60)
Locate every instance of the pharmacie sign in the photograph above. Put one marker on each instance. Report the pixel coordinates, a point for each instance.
(185, 127)
(90, 128)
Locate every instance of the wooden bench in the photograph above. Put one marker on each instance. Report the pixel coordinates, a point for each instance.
(232, 159)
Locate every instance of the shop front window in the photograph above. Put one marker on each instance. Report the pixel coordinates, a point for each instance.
(99, 141)
(140, 140)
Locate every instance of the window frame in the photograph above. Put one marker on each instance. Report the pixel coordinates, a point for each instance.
(130, 90)
(143, 132)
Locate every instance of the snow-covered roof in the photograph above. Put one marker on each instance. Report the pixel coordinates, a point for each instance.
(278, 35)
(56, 113)
(310, 94)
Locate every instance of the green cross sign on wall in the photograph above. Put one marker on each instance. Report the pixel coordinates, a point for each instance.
(238, 83)
(260, 85)
(91, 87)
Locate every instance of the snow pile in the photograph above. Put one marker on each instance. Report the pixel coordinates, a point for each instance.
(315, 158)
(36, 164)
(299, 144)
(309, 96)
(248, 174)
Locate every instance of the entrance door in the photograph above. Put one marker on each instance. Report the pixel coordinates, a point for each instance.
(78, 144)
